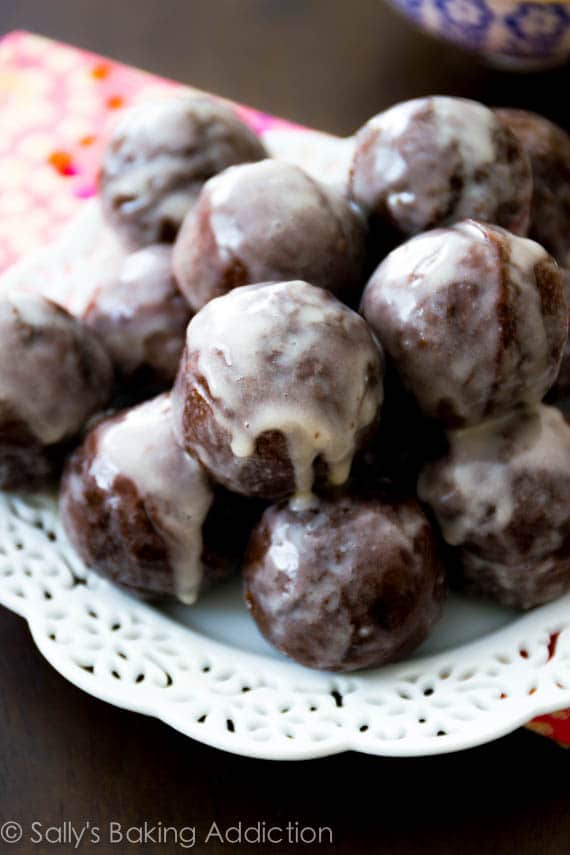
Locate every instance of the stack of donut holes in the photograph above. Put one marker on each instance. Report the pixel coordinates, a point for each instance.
(339, 392)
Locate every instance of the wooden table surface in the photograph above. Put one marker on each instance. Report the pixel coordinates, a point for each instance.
(65, 756)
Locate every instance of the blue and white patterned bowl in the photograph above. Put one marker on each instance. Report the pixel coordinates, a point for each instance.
(516, 32)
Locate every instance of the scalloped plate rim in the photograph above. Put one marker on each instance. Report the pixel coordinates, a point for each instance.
(510, 721)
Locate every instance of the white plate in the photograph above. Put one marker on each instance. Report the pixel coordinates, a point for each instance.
(205, 670)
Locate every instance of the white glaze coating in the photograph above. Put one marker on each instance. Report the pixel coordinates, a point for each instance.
(289, 357)
(290, 192)
(426, 264)
(389, 166)
(141, 316)
(437, 160)
(438, 304)
(561, 389)
(54, 374)
(173, 486)
(395, 121)
(321, 583)
(469, 124)
(435, 262)
(471, 127)
(548, 147)
(289, 540)
(483, 468)
(526, 585)
(160, 127)
(161, 152)
(268, 222)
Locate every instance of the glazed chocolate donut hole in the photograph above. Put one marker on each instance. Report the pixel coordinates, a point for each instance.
(279, 385)
(137, 508)
(434, 161)
(473, 318)
(560, 391)
(159, 156)
(548, 147)
(269, 221)
(502, 495)
(142, 318)
(352, 583)
(54, 375)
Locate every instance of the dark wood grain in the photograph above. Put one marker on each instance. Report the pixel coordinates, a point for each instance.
(66, 756)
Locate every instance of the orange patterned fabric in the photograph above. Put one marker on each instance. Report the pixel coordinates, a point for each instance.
(57, 103)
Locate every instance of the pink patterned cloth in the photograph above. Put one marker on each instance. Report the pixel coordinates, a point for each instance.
(56, 107)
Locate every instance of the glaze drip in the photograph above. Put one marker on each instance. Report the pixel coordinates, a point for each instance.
(287, 357)
(140, 445)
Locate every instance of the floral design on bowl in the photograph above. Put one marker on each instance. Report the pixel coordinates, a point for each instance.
(535, 32)
(465, 19)
(540, 25)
